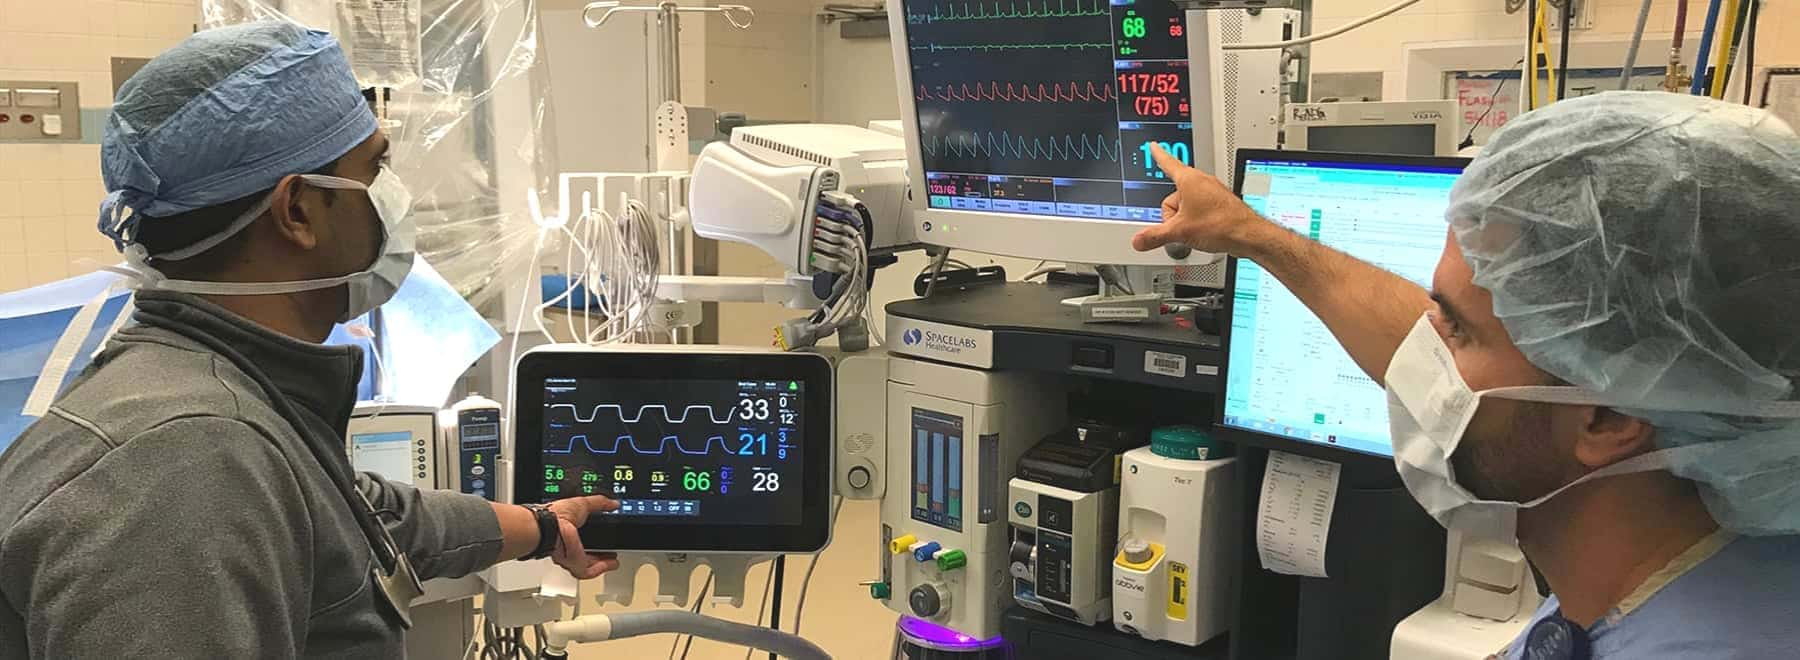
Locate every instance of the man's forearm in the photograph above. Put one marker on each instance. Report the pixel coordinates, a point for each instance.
(1368, 309)
(518, 531)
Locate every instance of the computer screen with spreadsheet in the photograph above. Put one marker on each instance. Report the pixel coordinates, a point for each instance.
(1286, 375)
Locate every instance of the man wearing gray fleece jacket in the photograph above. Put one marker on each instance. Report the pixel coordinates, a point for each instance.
(188, 496)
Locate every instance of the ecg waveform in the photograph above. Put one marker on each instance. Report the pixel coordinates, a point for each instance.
(988, 48)
(661, 447)
(949, 13)
(711, 413)
(1023, 93)
(1005, 145)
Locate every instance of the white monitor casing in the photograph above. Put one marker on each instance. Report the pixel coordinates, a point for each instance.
(1441, 115)
(1236, 101)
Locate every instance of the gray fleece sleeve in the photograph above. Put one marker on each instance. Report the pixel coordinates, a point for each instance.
(444, 533)
(185, 542)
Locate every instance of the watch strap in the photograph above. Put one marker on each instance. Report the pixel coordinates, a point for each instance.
(549, 532)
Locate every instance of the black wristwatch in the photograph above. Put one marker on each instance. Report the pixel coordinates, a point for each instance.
(549, 532)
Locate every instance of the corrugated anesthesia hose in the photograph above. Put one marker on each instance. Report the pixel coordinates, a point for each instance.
(602, 627)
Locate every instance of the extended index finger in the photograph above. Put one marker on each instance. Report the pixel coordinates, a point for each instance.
(600, 503)
(1170, 165)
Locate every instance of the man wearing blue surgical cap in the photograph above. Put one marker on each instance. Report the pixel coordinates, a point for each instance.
(1605, 368)
(189, 496)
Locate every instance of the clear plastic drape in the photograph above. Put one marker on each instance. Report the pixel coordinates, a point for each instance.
(465, 109)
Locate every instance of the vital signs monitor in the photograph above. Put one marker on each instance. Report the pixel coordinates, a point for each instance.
(706, 449)
(1286, 375)
(1037, 120)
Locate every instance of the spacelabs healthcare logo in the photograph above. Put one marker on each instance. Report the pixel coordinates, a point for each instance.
(912, 337)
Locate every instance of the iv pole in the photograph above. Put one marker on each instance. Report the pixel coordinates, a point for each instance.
(668, 22)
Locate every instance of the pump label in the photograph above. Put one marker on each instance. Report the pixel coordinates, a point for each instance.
(1178, 591)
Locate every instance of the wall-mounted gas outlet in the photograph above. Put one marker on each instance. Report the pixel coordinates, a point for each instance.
(40, 111)
(1584, 17)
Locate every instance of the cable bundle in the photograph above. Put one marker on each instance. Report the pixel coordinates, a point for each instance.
(614, 261)
(840, 246)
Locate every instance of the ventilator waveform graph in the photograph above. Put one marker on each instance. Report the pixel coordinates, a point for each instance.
(934, 47)
(659, 429)
(952, 12)
(662, 446)
(658, 416)
(1070, 92)
(990, 145)
(667, 415)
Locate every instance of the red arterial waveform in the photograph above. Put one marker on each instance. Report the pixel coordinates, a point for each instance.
(1072, 92)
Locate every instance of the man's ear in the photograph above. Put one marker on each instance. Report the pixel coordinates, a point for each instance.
(1604, 436)
(295, 207)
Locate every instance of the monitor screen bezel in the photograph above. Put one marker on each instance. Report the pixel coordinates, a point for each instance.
(608, 534)
(1271, 440)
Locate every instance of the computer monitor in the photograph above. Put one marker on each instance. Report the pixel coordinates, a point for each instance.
(1029, 125)
(1407, 128)
(1285, 374)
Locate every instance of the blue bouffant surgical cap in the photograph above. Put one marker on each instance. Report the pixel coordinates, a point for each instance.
(1645, 246)
(224, 115)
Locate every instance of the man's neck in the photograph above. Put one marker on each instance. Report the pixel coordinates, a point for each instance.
(1599, 542)
(303, 316)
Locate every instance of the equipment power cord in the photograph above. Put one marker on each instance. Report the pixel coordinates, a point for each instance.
(806, 581)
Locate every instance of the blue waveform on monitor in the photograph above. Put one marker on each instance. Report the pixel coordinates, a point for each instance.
(1005, 145)
(711, 413)
(662, 447)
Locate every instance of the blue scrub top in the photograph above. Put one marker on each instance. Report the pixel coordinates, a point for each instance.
(1742, 602)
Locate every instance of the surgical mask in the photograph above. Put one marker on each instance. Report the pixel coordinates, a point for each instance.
(1429, 410)
(368, 288)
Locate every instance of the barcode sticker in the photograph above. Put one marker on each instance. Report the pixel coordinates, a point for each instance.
(1165, 364)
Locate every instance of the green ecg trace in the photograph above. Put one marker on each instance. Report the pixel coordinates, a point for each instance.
(1015, 10)
(1005, 145)
(1003, 47)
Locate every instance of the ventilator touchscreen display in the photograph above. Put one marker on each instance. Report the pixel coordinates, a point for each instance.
(1286, 374)
(677, 451)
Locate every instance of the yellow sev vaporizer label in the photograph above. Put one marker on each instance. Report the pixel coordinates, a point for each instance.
(1178, 591)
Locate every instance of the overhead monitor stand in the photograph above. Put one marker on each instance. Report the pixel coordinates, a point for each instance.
(1379, 537)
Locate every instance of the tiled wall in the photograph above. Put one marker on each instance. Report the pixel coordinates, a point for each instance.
(50, 194)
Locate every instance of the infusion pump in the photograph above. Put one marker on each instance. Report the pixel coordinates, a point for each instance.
(457, 448)
(399, 443)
